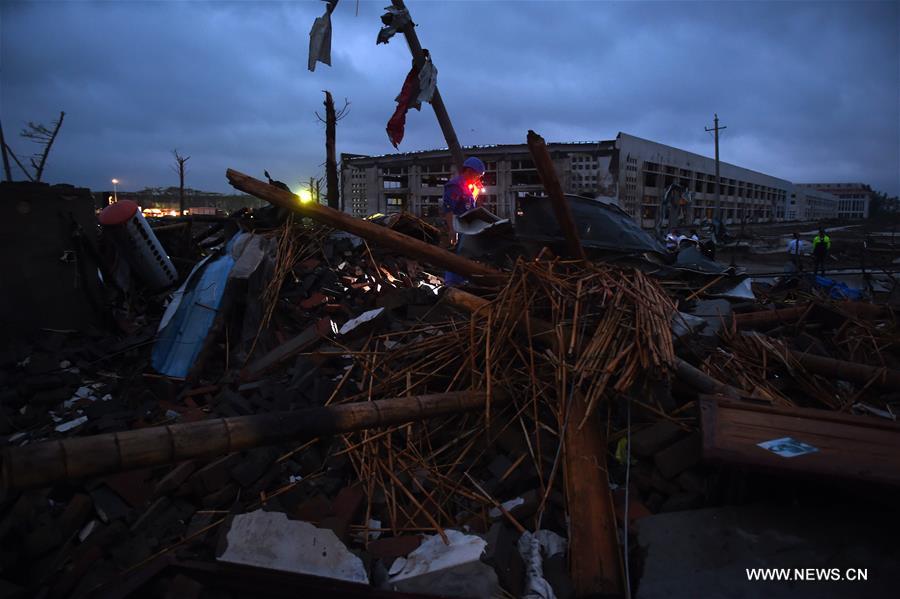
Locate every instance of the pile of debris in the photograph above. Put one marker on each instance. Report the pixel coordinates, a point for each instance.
(313, 408)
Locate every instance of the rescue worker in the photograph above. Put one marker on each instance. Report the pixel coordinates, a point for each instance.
(821, 247)
(460, 194)
(793, 248)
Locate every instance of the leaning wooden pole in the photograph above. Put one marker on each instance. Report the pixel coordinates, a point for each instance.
(384, 236)
(544, 165)
(42, 464)
(437, 103)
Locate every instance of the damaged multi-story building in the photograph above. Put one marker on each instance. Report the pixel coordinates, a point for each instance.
(632, 172)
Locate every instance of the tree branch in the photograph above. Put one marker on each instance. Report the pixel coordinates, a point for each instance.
(16, 158)
(50, 138)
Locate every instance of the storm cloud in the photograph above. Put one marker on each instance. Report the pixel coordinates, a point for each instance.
(809, 91)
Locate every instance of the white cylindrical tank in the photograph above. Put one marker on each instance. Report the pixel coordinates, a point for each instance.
(133, 236)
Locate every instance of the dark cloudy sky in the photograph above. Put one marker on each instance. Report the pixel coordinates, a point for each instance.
(809, 91)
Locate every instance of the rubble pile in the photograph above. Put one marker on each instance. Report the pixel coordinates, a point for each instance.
(601, 396)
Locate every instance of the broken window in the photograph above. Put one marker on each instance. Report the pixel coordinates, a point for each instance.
(526, 178)
(649, 180)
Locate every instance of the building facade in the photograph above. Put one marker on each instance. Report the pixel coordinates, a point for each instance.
(853, 198)
(811, 204)
(632, 172)
(650, 168)
(415, 181)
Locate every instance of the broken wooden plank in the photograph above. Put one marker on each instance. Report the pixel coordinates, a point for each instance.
(367, 230)
(301, 342)
(544, 165)
(42, 464)
(847, 446)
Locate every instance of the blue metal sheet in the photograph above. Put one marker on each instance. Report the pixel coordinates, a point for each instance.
(182, 334)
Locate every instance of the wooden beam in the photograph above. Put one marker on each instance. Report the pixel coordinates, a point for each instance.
(367, 230)
(595, 562)
(464, 300)
(848, 446)
(42, 464)
(861, 374)
(544, 165)
(286, 350)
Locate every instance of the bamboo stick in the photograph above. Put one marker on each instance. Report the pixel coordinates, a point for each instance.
(78, 457)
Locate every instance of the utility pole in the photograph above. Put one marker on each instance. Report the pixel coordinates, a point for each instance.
(718, 213)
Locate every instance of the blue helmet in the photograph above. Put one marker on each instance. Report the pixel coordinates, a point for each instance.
(475, 164)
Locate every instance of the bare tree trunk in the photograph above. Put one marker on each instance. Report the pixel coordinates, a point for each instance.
(330, 158)
(179, 168)
(6, 170)
(40, 167)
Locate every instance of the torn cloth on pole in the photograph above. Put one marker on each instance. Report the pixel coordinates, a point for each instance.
(427, 82)
(394, 20)
(320, 40)
(406, 100)
(418, 87)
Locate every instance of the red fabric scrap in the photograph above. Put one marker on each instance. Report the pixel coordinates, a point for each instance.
(408, 93)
